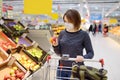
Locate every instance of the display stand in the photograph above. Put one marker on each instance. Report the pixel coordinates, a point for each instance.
(41, 37)
(115, 37)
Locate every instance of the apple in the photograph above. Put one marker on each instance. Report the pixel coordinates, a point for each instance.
(36, 67)
(18, 79)
(29, 61)
(35, 52)
(12, 72)
(20, 75)
(13, 75)
(13, 78)
(17, 39)
(17, 71)
(7, 77)
(15, 68)
(53, 39)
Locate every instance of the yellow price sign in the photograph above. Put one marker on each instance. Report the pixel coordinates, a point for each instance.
(37, 6)
(113, 21)
(54, 16)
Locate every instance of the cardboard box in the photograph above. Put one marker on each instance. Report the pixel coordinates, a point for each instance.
(5, 42)
(10, 68)
(26, 61)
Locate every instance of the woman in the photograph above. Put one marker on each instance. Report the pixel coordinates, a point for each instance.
(72, 41)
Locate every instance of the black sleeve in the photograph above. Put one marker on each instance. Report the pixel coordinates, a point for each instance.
(88, 47)
(57, 49)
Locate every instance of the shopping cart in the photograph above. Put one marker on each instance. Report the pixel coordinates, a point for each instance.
(51, 67)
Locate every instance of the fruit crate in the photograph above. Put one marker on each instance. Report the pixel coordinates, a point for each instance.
(26, 41)
(3, 57)
(37, 53)
(5, 42)
(10, 69)
(28, 62)
(15, 28)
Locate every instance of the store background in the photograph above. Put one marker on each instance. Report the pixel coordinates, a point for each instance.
(105, 11)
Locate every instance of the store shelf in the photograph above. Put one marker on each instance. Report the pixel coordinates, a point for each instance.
(41, 37)
(115, 37)
(5, 42)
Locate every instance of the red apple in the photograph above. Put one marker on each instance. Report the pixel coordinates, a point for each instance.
(7, 77)
(53, 39)
(18, 79)
(17, 71)
(20, 75)
(13, 78)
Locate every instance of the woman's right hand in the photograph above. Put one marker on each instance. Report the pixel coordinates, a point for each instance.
(54, 41)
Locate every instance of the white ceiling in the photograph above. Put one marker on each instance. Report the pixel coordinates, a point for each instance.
(104, 7)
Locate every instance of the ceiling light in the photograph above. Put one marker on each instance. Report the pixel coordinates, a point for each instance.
(116, 14)
(78, 4)
(85, 5)
(96, 8)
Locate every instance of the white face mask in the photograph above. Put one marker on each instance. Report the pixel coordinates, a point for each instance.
(69, 26)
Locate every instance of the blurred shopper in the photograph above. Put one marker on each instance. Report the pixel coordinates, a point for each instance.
(90, 28)
(72, 41)
(105, 30)
(100, 28)
(94, 29)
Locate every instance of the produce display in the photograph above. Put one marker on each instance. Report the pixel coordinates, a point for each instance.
(15, 28)
(29, 57)
(5, 43)
(14, 74)
(3, 57)
(115, 31)
(11, 24)
(57, 29)
(35, 52)
(28, 63)
(18, 27)
(10, 69)
(23, 41)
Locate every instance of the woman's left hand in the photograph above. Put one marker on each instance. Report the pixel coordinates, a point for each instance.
(79, 58)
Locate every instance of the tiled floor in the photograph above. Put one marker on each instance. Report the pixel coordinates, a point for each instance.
(109, 50)
(106, 48)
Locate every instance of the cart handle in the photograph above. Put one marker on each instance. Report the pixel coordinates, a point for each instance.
(73, 59)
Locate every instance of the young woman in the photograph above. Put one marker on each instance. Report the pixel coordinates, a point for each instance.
(72, 41)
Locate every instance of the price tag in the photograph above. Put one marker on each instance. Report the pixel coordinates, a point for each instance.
(24, 35)
(1, 22)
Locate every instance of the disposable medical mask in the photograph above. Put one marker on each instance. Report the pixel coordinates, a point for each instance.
(69, 26)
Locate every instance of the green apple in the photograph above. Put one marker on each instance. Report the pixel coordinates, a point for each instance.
(12, 71)
(15, 68)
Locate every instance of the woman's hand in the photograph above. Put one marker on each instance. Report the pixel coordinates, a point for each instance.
(54, 41)
(79, 58)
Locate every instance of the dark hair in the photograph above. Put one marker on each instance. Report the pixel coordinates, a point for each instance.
(74, 17)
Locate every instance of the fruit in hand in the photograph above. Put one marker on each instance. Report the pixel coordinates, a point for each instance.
(53, 39)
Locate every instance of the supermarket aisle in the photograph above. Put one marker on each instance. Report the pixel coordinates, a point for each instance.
(106, 48)
(109, 50)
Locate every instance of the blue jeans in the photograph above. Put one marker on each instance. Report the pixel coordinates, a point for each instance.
(62, 73)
